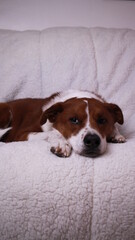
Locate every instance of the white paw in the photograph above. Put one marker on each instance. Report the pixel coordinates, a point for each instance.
(61, 149)
(118, 139)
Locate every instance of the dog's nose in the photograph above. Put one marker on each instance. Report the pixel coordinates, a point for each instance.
(92, 140)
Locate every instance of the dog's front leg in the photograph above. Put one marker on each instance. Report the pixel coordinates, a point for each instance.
(59, 145)
(116, 137)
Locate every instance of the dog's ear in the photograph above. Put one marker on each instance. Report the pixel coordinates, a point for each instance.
(51, 113)
(5, 115)
(116, 112)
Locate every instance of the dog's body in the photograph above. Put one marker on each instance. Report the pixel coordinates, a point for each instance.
(77, 120)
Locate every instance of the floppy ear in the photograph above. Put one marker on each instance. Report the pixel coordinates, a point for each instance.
(116, 113)
(51, 113)
(5, 115)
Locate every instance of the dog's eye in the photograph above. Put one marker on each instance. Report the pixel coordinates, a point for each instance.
(101, 120)
(74, 120)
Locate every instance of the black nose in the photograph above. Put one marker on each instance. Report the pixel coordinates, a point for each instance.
(91, 141)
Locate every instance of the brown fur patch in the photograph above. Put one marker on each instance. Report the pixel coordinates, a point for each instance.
(72, 109)
(26, 115)
(103, 116)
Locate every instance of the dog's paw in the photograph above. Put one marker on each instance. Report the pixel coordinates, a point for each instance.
(118, 139)
(62, 149)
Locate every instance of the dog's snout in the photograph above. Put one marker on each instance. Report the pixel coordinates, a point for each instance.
(92, 140)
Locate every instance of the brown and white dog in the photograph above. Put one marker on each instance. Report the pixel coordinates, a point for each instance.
(70, 120)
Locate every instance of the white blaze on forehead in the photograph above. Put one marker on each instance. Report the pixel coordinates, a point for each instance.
(88, 114)
(88, 128)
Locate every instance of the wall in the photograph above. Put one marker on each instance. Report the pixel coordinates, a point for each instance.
(114, 13)
(39, 14)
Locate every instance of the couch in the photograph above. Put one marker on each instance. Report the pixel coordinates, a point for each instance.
(43, 197)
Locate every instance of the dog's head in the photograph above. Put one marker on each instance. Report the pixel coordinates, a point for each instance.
(86, 123)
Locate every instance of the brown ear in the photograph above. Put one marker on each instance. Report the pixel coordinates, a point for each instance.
(5, 115)
(51, 113)
(116, 112)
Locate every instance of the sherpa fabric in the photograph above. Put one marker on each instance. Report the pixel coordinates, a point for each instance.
(43, 197)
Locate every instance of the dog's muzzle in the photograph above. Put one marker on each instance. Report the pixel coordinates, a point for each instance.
(91, 145)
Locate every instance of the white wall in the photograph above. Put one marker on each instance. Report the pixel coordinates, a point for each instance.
(39, 14)
(114, 13)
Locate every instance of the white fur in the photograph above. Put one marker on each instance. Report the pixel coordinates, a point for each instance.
(55, 138)
(51, 135)
(46, 127)
(65, 95)
(3, 131)
(45, 135)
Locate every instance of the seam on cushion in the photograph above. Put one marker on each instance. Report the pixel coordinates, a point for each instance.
(95, 59)
(40, 66)
(91, 217)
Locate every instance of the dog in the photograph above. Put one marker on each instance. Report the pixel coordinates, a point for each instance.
(70, 120)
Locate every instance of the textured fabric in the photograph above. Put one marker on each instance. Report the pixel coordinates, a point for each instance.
(42, 196)
(45, 197)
